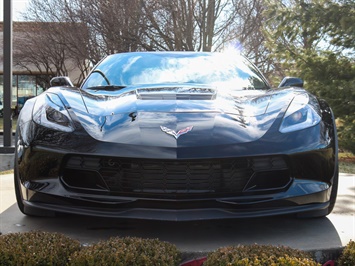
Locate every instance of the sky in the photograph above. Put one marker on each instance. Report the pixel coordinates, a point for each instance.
(17, 7)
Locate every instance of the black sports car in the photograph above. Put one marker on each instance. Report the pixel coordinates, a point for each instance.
(176, 136)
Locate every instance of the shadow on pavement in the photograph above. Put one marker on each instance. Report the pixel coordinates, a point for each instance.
(201, 236)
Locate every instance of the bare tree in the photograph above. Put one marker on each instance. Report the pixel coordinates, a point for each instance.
(34, 54)
(168, 25)
(196, 25)
(50, 43)
(95, 28)
(248, 35)
(113, 25)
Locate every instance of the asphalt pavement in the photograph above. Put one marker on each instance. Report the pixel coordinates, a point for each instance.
(325, 237)
(6, 162)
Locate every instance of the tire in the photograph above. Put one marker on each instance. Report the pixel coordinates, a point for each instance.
(332, 200)
(18, 192)
(334, 192)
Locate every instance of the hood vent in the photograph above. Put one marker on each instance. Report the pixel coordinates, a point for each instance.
(176, 94)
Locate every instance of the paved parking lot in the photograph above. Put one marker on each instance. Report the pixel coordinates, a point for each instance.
(326, 234)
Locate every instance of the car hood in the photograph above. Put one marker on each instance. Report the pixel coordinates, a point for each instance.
(178, 115)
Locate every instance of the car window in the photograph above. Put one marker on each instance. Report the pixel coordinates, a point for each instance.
(214, 69)
(96, 79)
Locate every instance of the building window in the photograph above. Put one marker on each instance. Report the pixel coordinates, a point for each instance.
(24, 87)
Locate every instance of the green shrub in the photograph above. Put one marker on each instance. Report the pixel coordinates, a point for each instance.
(347, 258)
(127, 251)
(36, 248)
(253, 255)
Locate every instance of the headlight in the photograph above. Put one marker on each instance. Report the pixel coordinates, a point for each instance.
(300, 115)
(49, 111)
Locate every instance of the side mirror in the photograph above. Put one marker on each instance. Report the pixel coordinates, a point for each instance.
(291, 82)
(61, 81)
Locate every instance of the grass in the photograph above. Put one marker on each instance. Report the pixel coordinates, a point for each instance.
(345, 167)
(7, 172)
(346, 162)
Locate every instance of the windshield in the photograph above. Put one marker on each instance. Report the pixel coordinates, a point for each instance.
(215, 69)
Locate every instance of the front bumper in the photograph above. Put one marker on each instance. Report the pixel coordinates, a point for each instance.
(175, 215)
(300, 183)
(78, 174)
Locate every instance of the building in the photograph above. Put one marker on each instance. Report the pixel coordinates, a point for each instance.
(31, 79)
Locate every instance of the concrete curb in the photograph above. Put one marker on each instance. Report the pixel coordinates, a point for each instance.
(6, 161)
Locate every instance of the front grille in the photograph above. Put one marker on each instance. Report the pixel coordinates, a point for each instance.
(165, 178)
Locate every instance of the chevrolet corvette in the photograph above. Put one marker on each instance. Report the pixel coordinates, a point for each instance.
(176, 136)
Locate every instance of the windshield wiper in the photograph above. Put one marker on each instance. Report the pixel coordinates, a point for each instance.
(106, 88)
